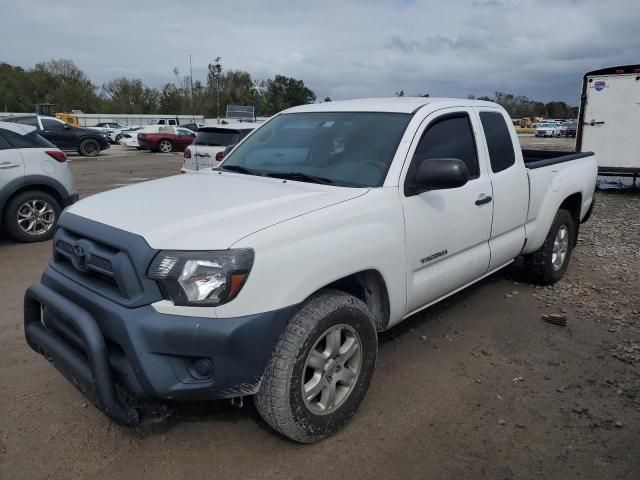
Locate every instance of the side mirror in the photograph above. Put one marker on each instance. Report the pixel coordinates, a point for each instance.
(439, 174)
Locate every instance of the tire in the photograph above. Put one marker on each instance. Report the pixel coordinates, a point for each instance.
(165, 146)
(89, 148)
(43, 224)
(117, 139)
(544, 266)
(280, 399)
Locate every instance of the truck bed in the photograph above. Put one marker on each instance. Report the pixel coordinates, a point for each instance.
(542, 158)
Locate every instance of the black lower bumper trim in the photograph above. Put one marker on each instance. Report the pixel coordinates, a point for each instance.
(90, 373)
(70, 200)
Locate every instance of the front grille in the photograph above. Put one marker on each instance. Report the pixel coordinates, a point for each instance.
(109, 262)
(101, 263)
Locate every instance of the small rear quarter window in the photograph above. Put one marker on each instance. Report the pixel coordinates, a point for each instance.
(498, 137)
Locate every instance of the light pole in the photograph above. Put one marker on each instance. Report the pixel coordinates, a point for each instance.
(217, 73)
(193, 116)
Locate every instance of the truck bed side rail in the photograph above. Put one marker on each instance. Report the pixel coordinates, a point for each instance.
(543, 158)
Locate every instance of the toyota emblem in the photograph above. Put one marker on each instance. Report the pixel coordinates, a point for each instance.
(80, 256)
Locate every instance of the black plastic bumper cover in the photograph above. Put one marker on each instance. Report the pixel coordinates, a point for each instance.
(91, 375)
(124, 358)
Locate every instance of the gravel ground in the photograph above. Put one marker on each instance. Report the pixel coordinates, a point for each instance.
(476, 387)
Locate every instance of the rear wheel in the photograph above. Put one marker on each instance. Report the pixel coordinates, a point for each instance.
(31, 216)
(89, 148)
(550, 262)
(320, 370)
(165, 146)
(118, 138)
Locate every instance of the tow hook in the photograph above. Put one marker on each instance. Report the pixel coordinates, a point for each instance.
(237, 402)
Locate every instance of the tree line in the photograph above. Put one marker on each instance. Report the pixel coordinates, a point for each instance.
(520, 106)
(62, 83)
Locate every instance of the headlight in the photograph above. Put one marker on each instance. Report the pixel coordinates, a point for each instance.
(201, 278)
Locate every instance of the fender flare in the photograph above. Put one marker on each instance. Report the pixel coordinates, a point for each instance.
(32, 181)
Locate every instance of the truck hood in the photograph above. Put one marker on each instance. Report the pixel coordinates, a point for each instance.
(207, 212)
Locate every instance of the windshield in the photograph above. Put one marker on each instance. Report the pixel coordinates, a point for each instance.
(219, 137)
(342, 148)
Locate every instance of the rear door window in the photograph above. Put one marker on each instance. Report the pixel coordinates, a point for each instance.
(498, 137)
(217, 137)
(31, 140)
(31, 121)
(4, 143)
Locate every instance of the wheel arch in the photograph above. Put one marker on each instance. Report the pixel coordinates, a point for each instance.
(370, 287)
(573, 205)
(32, 182)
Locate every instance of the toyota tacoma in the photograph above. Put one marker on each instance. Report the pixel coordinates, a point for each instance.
(271, 275)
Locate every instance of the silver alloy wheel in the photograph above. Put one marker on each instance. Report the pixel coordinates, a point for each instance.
(35, 217)
(331, 370)
(560, 248)
(165, 146)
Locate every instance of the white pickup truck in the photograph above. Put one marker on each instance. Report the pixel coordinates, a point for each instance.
(272, 275)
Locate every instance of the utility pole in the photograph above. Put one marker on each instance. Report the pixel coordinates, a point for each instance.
(217, 73)
(193, 115)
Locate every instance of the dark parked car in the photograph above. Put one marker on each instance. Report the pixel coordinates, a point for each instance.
(66, 137)
(571, 129)
(194, 127)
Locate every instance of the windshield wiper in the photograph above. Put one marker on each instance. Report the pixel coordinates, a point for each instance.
(302, 177)
(239, 169)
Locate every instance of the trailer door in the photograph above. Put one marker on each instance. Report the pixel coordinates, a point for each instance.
(611, 125)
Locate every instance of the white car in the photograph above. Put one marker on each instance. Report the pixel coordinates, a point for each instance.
(207, 150)
(35, 183)
(548, 129)
(273, 275)
(116, 135)
(130, 138)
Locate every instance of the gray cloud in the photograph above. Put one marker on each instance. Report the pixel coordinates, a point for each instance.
(343, 49)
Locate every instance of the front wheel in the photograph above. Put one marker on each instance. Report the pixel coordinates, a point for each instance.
(31, 216)
(320, 370)
(549, 264)
(89, 148)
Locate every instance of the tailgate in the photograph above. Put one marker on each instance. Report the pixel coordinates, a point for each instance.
(202, 157)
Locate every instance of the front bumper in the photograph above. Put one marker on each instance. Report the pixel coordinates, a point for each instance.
(124, 359)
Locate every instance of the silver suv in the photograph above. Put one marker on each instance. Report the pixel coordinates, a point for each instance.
(35, 183)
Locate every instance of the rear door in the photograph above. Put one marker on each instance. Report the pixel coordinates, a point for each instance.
(611, 119)
(11, 163)
(447, 231)
(510, 186)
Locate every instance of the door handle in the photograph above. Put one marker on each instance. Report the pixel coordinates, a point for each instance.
(8, 165)
(483, 199)
(593, 122)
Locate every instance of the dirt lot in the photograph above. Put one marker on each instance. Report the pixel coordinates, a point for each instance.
(477, 387)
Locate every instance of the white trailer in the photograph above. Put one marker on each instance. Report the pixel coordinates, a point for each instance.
(609, 122)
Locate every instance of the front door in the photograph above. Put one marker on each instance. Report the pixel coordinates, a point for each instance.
(55, 131)
(447, 231)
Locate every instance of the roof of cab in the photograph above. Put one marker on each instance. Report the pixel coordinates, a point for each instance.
(392, 104)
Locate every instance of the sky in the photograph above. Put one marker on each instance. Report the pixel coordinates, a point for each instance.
(341, 49)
